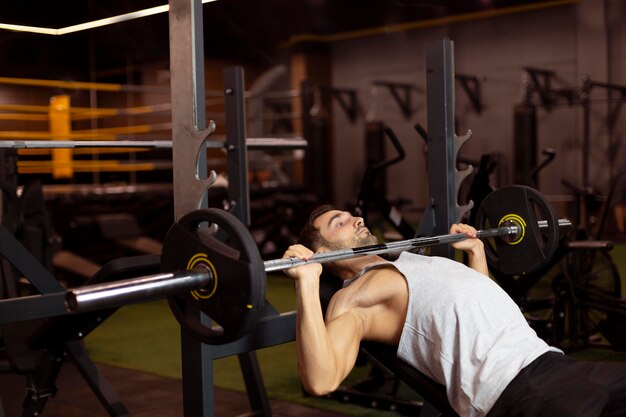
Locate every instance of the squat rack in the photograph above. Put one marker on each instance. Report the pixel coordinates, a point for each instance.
(189, 130)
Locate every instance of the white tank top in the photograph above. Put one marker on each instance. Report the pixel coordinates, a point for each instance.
(463, 331)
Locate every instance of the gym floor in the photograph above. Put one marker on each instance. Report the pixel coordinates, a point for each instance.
(143, 395)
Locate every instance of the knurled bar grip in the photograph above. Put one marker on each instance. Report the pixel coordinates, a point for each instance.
(93, 297)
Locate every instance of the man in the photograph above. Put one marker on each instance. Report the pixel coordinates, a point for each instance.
(451, 322)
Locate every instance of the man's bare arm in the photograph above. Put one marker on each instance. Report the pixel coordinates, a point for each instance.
(473, 246)
(326, 352)
(477, 259)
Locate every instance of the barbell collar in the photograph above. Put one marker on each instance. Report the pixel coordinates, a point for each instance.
(134, 290)
(341, 254)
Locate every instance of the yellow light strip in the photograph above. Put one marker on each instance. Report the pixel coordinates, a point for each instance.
(24, 117)
(111, 162)
(103, 151)
(93, 24)
(45, 167)
(124, 130)
(38, 135)
(108, 133)
(83, 151)
(89, 112)
(74, 85)
(423, 24)
(25, 108)
(102, 168)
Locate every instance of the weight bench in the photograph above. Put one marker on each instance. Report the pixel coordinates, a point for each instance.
(384, 358)
(60, 337)
(119, 229)
(434, 394)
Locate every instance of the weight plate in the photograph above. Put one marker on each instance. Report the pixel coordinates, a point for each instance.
(531, 248)
(227, 251)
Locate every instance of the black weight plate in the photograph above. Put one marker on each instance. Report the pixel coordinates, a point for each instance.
(237, 297)
(525, 206)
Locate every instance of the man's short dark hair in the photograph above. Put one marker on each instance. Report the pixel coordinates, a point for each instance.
(310, 235)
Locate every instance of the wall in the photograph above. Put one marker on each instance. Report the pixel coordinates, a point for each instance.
(616, 12)
(569, 40)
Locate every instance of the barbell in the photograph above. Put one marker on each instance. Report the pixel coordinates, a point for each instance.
(510, 231)
(251, 143)
(218, 270)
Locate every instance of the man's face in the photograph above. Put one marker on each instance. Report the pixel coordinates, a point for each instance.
(341, 230)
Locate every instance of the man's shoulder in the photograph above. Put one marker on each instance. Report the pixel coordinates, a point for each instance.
(381, 284)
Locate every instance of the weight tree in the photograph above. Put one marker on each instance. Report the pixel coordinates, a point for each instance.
(444, 179)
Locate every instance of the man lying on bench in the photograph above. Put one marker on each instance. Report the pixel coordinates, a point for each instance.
(451, 322)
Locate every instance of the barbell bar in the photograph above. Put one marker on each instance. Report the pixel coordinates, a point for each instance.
(128, 291)
(510, 230)
(252, 143)
(94, 297)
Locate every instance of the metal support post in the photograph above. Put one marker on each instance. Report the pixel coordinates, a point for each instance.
(239, 196)
(12, 250)
(198, 384)
(191, 182)
(315, 131)
(586, 145)
(441, 149)
(189, 127)
(190, 179)
(237, 153)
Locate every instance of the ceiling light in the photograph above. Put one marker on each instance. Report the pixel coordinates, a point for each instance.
(91, 25)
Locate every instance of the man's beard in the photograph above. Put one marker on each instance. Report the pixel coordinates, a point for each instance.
(355, 242)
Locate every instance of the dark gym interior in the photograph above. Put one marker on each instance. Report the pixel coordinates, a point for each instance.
(119, 118)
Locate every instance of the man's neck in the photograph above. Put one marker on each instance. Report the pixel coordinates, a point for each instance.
(350, 267)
